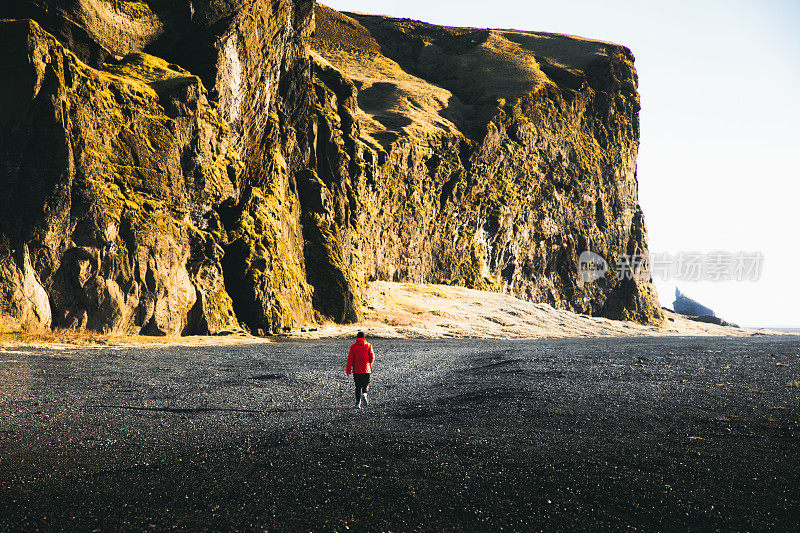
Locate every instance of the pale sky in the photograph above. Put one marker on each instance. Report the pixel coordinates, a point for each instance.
(719, 160)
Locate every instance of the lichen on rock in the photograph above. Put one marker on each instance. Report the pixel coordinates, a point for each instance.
(137, 161)
(190, 167)
(492, 158)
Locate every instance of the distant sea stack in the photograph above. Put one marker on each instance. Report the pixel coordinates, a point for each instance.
(696, 311)
(196, 167)
(686, 306)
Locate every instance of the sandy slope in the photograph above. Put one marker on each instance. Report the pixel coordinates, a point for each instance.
(406, 310)
(438, 311)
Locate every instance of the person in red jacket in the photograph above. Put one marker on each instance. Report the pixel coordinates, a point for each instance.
(359, 361)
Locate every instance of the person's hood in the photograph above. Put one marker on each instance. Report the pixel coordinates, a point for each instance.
(361, 341)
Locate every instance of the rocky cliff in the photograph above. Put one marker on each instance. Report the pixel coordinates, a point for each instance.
(190, 167)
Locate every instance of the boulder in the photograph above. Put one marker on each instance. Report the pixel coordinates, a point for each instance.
(21, 294)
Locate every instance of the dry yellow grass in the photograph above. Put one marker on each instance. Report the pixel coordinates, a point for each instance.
(439, 311)
(420, 79)
(133, 9)
(429, 290)
(415, 311)
(392, 102)
(567, 51)
(12, 333)
(335, 30)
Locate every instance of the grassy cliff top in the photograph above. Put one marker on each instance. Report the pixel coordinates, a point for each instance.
(418, 76)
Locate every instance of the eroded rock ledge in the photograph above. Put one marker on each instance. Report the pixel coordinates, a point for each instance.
(190, 167)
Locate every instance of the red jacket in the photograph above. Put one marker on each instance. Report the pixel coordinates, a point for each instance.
(360, 358)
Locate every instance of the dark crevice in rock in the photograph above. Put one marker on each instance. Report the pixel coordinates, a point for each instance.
(234, 267)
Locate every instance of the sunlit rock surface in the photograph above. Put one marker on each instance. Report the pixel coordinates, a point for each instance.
(194, 167)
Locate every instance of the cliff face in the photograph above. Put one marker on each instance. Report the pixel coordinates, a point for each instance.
(491, 158)
(268, 188)
(109, 178)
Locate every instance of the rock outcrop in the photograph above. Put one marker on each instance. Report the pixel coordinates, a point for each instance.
(109, 182)
(686, 306)
(696, 311)
(187, 167)
(488, 158)
(711, 319)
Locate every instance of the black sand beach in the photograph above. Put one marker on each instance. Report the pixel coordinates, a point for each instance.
(575, 434)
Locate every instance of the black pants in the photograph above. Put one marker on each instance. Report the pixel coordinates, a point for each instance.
(362, 384)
